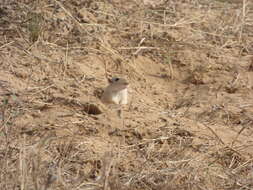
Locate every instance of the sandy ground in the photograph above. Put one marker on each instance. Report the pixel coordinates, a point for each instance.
(188, 124)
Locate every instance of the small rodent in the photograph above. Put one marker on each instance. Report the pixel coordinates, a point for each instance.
(116, 92)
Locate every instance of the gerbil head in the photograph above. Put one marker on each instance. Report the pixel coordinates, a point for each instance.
(120, 83)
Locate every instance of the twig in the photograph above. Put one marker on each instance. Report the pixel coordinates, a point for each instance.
(242, 129)
(107, 164)
(142, 47)
(43, 89)
(9, 43)
(213, 133)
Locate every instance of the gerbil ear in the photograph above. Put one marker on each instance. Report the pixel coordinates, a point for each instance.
(109, 80)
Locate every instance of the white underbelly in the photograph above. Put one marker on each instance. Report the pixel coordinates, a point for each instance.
(120, 97)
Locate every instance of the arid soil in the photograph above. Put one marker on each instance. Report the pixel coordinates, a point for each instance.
(189, 121)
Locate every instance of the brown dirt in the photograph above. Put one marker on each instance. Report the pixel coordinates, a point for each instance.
(189, 122)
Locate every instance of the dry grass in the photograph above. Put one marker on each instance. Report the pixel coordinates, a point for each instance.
(52, 58)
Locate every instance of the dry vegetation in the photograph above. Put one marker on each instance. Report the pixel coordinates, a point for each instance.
(189, 124)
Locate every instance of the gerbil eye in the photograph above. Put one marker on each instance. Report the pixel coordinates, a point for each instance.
(116, 79)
